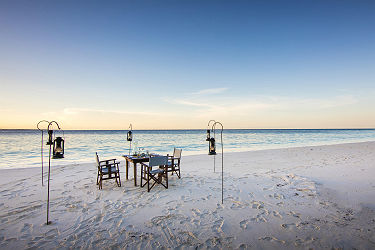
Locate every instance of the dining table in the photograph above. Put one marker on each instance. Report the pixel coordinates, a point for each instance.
(135, 159)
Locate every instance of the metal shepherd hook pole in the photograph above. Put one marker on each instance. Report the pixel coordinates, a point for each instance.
(130, 137)
(50, 143)
(222, 160)
(41, 148)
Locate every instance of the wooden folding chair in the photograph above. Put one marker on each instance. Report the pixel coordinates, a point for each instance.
(107, 169)
(156, 175)
(174, 162)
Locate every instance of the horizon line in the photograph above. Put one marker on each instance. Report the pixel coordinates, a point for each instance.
(197, 129)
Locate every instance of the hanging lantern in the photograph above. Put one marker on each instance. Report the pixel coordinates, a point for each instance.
(212, 147)
(58, 148)
(208, 135)
(50, 134)
(129, 136)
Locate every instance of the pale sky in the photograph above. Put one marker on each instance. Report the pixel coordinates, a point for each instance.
(178, 64)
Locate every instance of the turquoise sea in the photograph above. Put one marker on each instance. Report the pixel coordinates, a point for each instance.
(22, 148)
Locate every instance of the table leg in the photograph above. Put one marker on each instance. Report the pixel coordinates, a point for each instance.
(135, 174)
(127, 169)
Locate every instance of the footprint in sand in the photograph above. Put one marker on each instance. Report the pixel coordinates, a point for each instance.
(277, 196)
(257, 204)
(206, 198)
(307, 240)
(238, 205)
(196, 212)
(272, 239)
(11, 240)
(290, 226)
(259, 218)
(170, 209)
(219, 206)
(294, 214)
(281, 184)
(217, 226)
(277, 214)
(244, 246)
(306, 224)
(280, 204)
(244, 224)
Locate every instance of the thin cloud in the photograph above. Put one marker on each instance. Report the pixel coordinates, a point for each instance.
(237, 106)
(191, 103)
(210, 91)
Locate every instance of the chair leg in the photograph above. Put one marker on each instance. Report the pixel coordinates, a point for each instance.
(100, 181)
(127, 169)
(166, 176)
(119, 180)
(142, 175)
(148, 180)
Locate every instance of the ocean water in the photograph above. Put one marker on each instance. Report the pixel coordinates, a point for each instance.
(22, 148)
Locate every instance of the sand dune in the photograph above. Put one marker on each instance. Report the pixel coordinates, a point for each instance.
(309, 197)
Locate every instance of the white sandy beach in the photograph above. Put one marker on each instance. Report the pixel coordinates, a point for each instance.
(308, 197)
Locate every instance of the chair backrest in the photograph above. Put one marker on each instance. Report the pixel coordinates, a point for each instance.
(158, 161)
(177, 153)
(97, 159)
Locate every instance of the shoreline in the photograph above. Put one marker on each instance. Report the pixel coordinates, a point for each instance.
(288, 198)
(120, 158)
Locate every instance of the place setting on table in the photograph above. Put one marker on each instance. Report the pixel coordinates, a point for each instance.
(139, 156)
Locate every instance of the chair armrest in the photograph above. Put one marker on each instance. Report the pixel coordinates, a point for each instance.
(107, 160)
(114, 160)
(143, 164)
(110, 164)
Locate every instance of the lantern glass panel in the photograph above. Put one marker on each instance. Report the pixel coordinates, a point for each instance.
(58, 148)
(208, 135)
(130, 136)
(50, 134)
(212, 150)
